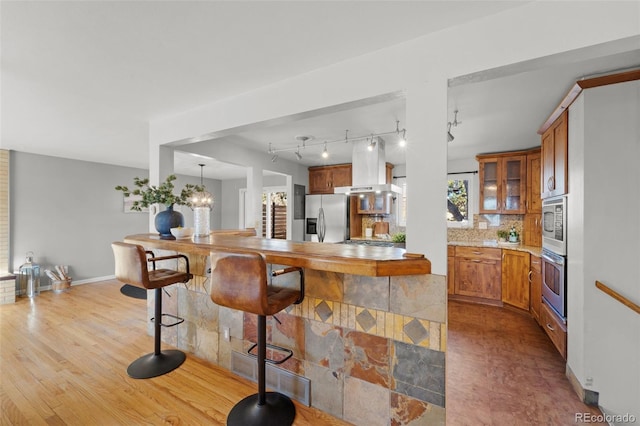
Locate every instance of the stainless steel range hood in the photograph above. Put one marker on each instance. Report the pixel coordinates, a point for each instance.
(369, 173)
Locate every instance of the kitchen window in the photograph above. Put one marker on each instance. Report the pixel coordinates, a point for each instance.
(460, 200)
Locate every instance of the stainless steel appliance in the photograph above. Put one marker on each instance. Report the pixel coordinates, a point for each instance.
(554, 251)
(554, 225)
(368, 170)
(327, 218)
(554, 277)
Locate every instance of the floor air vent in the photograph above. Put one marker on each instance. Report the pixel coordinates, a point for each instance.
(283, 381)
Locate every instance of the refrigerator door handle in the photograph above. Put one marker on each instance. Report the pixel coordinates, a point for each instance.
(321, 225)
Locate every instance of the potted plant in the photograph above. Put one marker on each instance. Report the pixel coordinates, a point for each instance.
(502, 235)
(162, 194)
(399, 239)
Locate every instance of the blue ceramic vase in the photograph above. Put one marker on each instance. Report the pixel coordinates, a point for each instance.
(167, 219)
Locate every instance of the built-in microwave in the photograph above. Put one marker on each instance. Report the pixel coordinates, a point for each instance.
(554, 225)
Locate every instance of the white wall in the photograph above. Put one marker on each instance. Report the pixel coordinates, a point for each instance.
(67, 212)
(506, 38)
(604, 243)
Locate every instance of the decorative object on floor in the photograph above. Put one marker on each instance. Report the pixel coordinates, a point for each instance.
(133, 291)
(29, 277)
(162, 194)
(131, 268)
(239, 281)
(60, 279)
(202, 204)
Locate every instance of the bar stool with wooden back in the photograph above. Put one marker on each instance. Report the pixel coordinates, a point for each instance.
(239, 281)
(131, 268)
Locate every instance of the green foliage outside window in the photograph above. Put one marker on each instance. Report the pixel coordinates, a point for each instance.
(457, 200)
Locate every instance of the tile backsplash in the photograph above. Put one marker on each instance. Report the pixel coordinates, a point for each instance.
(494, 223)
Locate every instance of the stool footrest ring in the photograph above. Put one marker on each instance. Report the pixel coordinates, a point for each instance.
(179, 320)
(289, 353)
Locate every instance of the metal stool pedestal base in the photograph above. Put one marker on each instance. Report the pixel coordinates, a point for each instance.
(278, 410)
(153, 365)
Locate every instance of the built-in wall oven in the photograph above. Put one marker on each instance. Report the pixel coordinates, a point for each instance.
(554, 281)
(554, 253)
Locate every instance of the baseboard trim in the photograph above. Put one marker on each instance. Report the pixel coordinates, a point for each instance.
(93, 280)
(587, 396)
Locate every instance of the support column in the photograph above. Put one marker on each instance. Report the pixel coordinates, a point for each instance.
(426, 111)
(253, 206)
(160, 166)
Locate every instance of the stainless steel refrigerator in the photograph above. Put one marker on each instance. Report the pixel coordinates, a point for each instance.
(327, 216)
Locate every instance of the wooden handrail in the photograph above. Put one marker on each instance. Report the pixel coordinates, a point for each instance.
(620, 298)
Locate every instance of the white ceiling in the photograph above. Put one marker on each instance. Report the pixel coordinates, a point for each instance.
(82, 80)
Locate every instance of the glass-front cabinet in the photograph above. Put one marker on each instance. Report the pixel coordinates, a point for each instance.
(374, 204)
(502, 184)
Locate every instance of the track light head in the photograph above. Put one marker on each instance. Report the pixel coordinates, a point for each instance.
(325, 153)
(449, 135)
(403, 140)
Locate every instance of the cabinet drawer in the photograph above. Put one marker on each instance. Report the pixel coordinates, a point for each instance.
(479, 252)
(555, 328)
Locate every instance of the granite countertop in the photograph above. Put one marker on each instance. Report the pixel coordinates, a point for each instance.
(536, 251)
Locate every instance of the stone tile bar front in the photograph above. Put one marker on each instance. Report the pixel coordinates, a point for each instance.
(370, 335)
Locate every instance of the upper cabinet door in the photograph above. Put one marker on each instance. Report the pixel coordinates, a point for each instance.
(554, 158)
(503, 184)
(514, 190)
(489, 185)
(323, 179)
(534, 171)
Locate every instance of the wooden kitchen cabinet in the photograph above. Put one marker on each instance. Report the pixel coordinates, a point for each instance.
(478, 273)
(535, 280)
(451, 268)
(533, 217)
(532, 230)
(323, 179)
(554, 158)
(534, 170)
(515, 278)
(374, 204)
(555, 328)
(503, 183)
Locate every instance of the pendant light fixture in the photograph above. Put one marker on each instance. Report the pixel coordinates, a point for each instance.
(202, 204)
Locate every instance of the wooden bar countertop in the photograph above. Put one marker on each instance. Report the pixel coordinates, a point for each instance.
(344, 258)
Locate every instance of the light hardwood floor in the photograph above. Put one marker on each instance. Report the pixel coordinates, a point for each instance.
(63, 360)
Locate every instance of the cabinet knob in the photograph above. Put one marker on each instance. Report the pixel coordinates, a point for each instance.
(550, 327)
